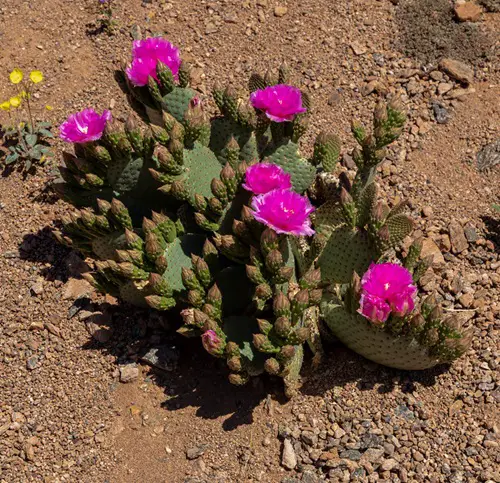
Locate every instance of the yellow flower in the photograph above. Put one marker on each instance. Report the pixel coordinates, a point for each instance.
(5, 106)
(36, 76)
(25, 95)
(16, 76)
(21, 125)
(15, 101)
(49, 108)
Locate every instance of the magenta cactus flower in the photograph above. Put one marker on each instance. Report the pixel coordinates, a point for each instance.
(212, 343)
(280, 103)
(386, 288)
(146, 54)
(84, 126)
(261, 178)
(284, 211)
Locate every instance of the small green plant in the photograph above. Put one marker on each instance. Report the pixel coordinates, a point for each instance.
(106, 21)
(26, 141)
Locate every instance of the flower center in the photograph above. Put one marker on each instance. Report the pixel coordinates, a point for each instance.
(386, 286)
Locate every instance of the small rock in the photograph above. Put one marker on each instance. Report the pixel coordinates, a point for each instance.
(32, 363)
(280, 11)
(458, 241)
(456, 407)
(77, 288)
(436, 75)
(164, 357)
(430, 248)
(470, 233)
(351, 454)
(129, 373)
(37, 288)
(288, 457)
(309, 477)
(358, 48)
(100, 334)
(29, 451)
(466, 300)
(468, 12)
(196, 451)
(348, 161)
(441, 114)
(388, 464)
(309, 438)
(444, 87)
(334, 99)
(457, 70)
(427, 211)
(372, 455)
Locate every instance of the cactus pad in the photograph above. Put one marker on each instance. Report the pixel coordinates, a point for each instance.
(347, 250)
(287, 157)
(357, 333)
(177, 102)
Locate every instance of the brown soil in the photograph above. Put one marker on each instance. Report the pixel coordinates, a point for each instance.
(64, 415)
(429, 31)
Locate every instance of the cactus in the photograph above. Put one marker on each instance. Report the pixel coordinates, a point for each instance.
(165, 216)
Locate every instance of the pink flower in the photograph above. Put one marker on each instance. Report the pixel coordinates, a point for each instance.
(212, 343)
(145, 56)
(284, 211)
(84, 126)
(264, 177)
(280, 102)
(386, 288)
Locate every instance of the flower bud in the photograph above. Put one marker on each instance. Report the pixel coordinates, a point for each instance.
(238, 379)
(232, 349)
(263, 291)
(213, 343)
(274, 261)
(272, 366)
(264, 325)
(234, 363)
(281, 305)
(282, 326)
(287, 352)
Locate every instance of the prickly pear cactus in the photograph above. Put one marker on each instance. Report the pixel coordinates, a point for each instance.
(354, 230)
(164, 215)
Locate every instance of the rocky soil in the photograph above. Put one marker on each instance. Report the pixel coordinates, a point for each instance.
(93, 391)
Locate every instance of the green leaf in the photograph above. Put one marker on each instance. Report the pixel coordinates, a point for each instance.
(44, 125)
(11, 158)
(36, 152)
(31, 139)
(496, 207)
(27, 165)
(45, 133)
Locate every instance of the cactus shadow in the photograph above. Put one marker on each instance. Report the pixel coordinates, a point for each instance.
(492, 225)
(342, 366)
(41, 247)
(195, 380)
(201, 382)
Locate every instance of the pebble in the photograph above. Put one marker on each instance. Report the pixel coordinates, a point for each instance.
(129, 373)
(468, 12)
(32, 363)
(388, 464)
(196, 451)
(457, 70)
(288, 457)
(164, 357)
(457, 237)
(280, 11)
(441, 114)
